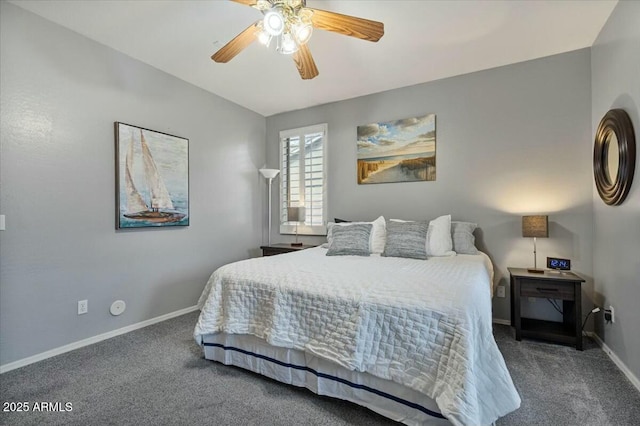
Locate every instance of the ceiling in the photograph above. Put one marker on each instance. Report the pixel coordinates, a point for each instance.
(423, 41)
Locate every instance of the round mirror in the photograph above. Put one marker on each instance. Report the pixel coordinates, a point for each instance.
(613, 160)
(614, 157)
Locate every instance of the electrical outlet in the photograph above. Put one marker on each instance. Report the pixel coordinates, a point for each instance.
(501, 291)
(83, 307)
(609, 315)
(531, 299)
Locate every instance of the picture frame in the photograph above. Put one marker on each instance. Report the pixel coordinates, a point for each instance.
(152, 178)
(397, 151)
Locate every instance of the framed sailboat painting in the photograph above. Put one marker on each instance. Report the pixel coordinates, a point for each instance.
(152, 178)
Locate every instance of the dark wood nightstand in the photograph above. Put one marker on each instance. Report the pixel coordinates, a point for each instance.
(274, 249)
(565, 286)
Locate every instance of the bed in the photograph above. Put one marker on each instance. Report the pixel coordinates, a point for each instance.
(410, 339)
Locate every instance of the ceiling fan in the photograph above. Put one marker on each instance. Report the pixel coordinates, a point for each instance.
(291, 23)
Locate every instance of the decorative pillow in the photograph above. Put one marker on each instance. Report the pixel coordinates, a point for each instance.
(350, 240)
(406, 239)
(378, 233)
(439, 241)
(463, 240)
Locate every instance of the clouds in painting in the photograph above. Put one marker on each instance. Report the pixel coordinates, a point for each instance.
(400, 137)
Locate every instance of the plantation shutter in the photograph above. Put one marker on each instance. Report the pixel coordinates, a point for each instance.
(303, 178)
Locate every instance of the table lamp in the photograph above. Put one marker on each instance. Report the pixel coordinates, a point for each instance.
(296, 214)
(535, 227)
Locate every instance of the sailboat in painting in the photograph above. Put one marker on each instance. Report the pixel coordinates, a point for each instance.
(160, 208)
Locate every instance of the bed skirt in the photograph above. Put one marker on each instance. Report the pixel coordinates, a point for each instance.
(322, 377)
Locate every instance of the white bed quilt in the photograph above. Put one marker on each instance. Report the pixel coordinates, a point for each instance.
(423, 324)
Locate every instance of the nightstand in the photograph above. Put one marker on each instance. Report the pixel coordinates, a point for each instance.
(565, 286)
(274, 249)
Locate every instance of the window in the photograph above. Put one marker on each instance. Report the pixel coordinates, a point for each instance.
(303, 178)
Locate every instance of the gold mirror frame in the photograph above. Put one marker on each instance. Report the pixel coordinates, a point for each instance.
(615, 122)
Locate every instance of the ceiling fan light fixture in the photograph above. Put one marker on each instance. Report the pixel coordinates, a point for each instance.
(264, 38)
(287, 44)
(303, 33)
(274, 22)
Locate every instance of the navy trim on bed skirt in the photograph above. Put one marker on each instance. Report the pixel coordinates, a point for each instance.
(327, 376)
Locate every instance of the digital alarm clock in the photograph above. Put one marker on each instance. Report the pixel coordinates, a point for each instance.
(559, 264)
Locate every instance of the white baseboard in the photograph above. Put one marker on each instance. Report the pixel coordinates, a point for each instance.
(617, 361)
(91, 340)
(95, 339)
(501, 321)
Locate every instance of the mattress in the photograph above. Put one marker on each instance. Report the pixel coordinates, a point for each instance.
(425, 325)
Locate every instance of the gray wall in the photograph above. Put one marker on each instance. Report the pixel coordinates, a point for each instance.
(510, 141)
(615, 68)
(60, 94)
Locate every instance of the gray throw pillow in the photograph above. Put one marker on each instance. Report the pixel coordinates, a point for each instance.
(352, 240)
(406, 239)
(463, 240)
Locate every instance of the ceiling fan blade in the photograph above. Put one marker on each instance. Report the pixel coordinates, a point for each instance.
(305, 63)
(235, 46)
(246, 2)
(347, 25)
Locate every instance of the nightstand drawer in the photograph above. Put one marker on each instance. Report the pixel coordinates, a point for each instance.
(282, 248)
(272, 251)
(546, 289)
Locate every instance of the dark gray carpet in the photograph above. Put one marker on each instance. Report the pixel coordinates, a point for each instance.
(157, 376)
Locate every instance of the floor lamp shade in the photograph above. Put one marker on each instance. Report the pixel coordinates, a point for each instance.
(535, 227)
(269, 174)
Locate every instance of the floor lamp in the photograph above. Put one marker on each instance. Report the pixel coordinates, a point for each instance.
(269, 174)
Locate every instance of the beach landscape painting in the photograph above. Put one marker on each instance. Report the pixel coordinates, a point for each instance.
(397, 151)
(152, 178)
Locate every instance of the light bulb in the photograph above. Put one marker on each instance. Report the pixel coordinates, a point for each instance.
(264, 38)
(273, 22)
(287, 44)
(303, 33)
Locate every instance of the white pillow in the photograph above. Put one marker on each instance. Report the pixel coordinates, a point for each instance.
(439, 242)
(378, 234)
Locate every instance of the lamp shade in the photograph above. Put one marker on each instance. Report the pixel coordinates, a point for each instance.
(535, 226)
(295, 214)
(269, 173)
